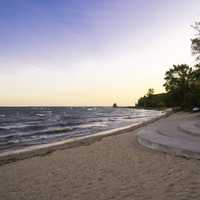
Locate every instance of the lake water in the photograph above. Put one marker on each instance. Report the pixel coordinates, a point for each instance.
(26, 126)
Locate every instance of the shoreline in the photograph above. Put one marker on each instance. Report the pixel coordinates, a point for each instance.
(41, 150)
(116, 167)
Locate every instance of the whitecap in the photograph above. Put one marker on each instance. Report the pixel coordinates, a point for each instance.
(40, 114)
(96, 124)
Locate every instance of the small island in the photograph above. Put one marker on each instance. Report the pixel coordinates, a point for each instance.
(115, 105)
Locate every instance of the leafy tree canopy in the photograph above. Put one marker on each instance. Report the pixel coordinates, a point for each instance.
(177, 78)
(195, 46)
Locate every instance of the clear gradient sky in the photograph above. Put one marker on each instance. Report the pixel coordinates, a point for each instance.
(90, 52)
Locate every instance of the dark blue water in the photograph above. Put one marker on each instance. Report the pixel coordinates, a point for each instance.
(26, 126)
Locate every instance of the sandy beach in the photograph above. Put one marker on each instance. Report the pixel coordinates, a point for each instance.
(116, 167)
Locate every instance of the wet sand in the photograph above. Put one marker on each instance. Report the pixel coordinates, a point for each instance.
(116, 167)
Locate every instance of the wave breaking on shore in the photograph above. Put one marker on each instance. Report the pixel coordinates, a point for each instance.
(43, 149)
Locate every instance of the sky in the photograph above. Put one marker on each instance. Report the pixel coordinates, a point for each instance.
(90, 52)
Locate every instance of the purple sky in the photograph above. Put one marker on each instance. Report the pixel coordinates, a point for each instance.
(90, 52)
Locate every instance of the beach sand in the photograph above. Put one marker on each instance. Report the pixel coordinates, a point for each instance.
(116, 167)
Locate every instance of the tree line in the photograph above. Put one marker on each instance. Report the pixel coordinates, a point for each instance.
(182, 83)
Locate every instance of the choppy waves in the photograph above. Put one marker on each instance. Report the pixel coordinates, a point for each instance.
(21, 127)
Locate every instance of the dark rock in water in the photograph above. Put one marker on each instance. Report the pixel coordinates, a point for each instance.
(115, 105)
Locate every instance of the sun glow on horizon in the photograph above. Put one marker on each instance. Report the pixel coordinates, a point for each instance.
(91, 54)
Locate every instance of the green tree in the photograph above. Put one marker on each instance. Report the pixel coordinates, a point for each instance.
(195, 85)
(196, 73)
(150, 92)
(195, 46)
(177, 83)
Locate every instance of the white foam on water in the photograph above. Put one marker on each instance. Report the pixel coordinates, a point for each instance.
(94, 124)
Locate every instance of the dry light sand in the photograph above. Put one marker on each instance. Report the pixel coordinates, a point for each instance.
(114, 168)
